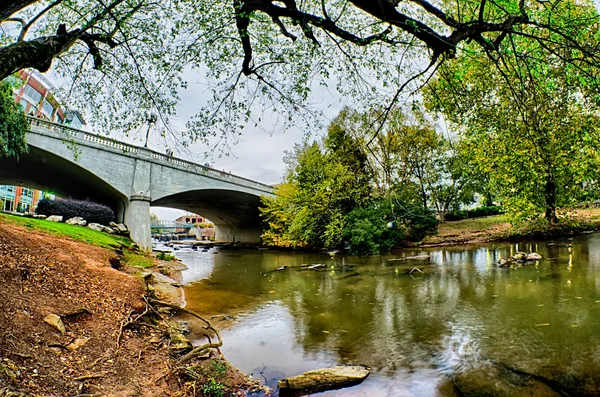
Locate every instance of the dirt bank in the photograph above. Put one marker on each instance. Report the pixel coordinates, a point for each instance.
(42, 274)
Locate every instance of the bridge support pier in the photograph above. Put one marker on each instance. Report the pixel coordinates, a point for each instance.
(237, 234)
(137, 219)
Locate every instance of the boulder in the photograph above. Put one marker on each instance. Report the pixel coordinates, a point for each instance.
(324, 379)
(55, 321)
(95, 226)
(108, 229)
(79, 221)
(520, 257)
(121, 228)
(534, 256)
(55, 218)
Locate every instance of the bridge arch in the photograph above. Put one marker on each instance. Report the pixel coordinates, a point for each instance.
(234, 213)
(47, 171)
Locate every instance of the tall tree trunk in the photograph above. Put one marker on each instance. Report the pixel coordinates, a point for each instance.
(550, 195)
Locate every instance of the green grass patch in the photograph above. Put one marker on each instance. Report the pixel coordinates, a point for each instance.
(141, 261)
(78, 233)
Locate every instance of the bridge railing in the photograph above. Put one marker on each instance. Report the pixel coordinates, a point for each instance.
(86, 136)
(127, 148)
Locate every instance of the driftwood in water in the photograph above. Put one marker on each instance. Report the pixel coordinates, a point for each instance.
(406, 258)
(323, 379)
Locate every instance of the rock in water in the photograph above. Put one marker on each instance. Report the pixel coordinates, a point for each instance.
(323, 379)
(534, 256)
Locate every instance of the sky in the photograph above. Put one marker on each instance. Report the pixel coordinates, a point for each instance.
(258, 155)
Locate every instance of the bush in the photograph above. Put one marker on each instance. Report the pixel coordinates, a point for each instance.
(474, 213)
(69, 208)
(368, 232)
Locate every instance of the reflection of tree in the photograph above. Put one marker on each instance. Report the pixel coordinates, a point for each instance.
(463, 306)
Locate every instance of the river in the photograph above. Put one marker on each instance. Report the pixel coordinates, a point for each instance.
(458, 317)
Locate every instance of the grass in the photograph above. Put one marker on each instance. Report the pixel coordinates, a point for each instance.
(78, 233)
(138, 260)
(498, 227)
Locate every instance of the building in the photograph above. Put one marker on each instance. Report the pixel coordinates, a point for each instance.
(192, 219)
(20, 199)
(38, 98)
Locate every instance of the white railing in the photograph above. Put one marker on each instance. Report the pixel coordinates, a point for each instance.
(161, 158)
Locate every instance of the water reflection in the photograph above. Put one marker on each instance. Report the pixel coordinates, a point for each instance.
(413, 328)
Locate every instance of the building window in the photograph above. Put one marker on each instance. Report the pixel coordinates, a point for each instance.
(47, 108)
(33, 94)
(23, 102)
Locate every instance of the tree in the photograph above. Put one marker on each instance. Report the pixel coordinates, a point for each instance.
(535, 132)
(13, 124)
(262, 55)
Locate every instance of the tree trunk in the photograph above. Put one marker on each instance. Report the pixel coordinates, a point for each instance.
(9, 7)
(550, 195)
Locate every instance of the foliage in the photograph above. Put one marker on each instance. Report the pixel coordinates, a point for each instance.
(534, 132)
(475, 213)
(372, 230)
(63, 230)
(212, 388)
(13, 124)
(319, 191)
(261, 57)
(69, 208)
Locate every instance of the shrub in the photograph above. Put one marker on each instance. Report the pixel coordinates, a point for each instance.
(474, 213)
(69, 208)
(367, 230)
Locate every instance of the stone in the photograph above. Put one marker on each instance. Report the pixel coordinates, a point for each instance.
(324, 379)
(534, 256)
(180, 344)
(95, 226)
(503, 263)
(55, 218)
(121, 228)
(108, 229)
(520, 257)
(36, 216)
(79, 221)
(55, 321)
(77, 343)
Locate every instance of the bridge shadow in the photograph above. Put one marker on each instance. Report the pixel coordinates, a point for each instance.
(43, 170)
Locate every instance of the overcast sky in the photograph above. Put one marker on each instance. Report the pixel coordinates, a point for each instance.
(258, 155)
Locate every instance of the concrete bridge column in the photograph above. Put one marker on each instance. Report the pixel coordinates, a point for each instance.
(137, 219)
(237, 234)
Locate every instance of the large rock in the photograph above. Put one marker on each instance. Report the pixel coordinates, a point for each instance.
(324, 379)
(55, 321)
(108, 229)
(79, 221)
(121, 228)
(55, 218)
(534, 256)
(95, 226)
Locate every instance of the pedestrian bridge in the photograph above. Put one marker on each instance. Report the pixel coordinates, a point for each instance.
(128, 178)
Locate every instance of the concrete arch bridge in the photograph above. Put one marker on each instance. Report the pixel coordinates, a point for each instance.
(129, 179)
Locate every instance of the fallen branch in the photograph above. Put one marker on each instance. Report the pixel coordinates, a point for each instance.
(202, 349)
(90, 376)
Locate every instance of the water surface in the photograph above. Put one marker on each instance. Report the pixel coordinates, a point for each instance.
(416, 329)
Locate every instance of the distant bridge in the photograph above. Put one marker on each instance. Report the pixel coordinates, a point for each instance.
(129, 178)
(170, 225)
